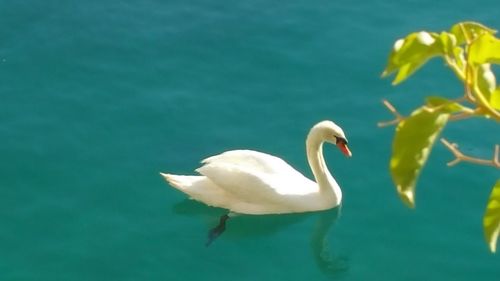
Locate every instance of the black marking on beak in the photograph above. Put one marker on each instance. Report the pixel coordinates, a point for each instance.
(341, 140)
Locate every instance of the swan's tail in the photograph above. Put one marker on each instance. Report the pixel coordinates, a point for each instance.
(182, 183)
(198, 188)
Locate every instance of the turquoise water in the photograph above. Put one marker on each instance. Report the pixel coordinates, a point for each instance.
(97, 97)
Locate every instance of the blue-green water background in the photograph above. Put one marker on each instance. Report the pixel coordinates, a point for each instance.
(97, 97)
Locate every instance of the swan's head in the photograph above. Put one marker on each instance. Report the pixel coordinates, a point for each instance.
(332, 133)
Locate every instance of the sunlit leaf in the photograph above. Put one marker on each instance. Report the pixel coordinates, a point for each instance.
(485, 49)
(495, 99)
(459, 56)
(445, 105)
(448, 41)
(405, 71)
(491, 219)
(472, 29)
(410, 53)
(452, 50)
(486, 81)
(413, 141)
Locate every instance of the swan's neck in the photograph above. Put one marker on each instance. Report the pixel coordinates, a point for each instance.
(329, 189)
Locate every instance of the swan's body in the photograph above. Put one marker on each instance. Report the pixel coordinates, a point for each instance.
(251, 182)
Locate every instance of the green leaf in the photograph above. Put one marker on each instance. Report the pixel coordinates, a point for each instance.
(452, 51)
(445, 105)
(491, 219)
(405, 71)
(413, 141)
(486, 81)
(459, 56)
(410, 53)
(495, 99)
(472, 29)
(448, 41)
(485, 49)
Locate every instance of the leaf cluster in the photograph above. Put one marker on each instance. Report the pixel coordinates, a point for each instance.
(468, 49)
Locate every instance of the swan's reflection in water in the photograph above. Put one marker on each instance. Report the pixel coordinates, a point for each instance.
(323, 253)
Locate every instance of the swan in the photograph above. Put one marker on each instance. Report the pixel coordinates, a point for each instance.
(256, 183)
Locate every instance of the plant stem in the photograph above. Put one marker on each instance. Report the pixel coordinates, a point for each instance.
(460, 157)
(397, 117)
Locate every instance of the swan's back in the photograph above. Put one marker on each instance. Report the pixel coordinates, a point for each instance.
(260, 171)
(250, 159)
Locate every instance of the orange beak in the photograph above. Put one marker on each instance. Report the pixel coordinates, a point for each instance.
(343, 147)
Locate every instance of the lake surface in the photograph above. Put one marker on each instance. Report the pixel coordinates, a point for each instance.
(98, 97)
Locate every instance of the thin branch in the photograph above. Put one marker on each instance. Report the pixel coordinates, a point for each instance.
(460, 157)
(468, 92)
(465, 114)
(459, 100)
(397, 117)
(460, 116)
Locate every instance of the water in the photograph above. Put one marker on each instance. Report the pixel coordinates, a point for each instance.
(98, 97)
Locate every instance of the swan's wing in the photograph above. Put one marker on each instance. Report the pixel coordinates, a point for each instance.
(258, 183)
(252, 183)
(251, 160)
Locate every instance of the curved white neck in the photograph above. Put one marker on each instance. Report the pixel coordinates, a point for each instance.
(329, 188)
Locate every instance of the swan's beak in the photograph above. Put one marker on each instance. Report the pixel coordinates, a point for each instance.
(343, 147)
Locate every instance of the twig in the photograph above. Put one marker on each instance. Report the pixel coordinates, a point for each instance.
(459, 100)
(459, 156)
(397, 117)
(462, 116)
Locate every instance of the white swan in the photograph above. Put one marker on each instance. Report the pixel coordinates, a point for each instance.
(251, 182)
